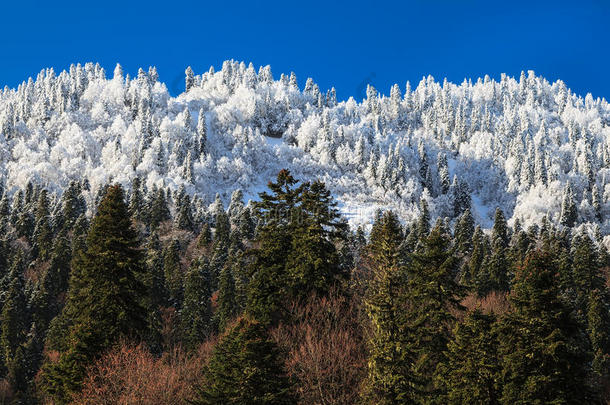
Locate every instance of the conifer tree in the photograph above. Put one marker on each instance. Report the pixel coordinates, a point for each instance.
(568, 213)
(202, 134)
(184, 216)
(461, 197)
(598, 318)
(159, 211)
(157, 295)
(136, 201)
(543, 358)
(423, 223)
(43, 233)
(470, 375)
(173, 273)
(586, 273)
(105, 297)
(433, 296)
(246, 368)
(197, 308)
(267, 270)
(391, 357)
(189, 79)
(15, 325)
(464, 231)
(72, 204)
(313, 265)
(228, 307)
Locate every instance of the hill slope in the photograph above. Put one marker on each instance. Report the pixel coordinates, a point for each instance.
(528, 146)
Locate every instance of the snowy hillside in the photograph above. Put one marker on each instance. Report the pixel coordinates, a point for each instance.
(528, 146)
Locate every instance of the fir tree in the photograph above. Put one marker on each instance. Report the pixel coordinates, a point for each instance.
(433, 294)
(189, 80)
(105, 297)
(586, 273)
(202, 134)
(173, 273)
(543, 357)
(159, 211)
(598, 318)
(43, 233)
(246, 368)
(391, 357)
(313, 265)
(471, 372)
(568, 213)
(15, 326)
(267, 269)
(197, 308)
(136, 201)
(228, 307)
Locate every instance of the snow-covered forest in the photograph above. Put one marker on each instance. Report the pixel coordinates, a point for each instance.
(530, 147)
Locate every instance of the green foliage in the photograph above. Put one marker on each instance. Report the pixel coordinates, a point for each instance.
(173, 273)
(433, 296)
(543, 358)
(196, 316)
(105, 297)
(295, 254)
(228, 306)
(471, 371)
(246, 368)
(391, 356)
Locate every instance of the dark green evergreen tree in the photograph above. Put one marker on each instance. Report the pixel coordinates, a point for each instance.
(598, 318)
(158, 211)
(105, 296)
(391, 356)
(228, 306)
(433, 296)
(543, 356)
(246, 368)
(43, 233)
(15, 325)
(196, 315)
(471, 372)
(174, 277)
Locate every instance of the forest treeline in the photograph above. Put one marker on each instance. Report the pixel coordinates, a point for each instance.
(280, 302)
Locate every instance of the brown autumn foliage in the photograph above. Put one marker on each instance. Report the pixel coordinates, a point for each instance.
(326, 352)
(496, 302)
(129, 374)
(6, 393)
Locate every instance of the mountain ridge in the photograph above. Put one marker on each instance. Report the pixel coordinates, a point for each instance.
(530, 147)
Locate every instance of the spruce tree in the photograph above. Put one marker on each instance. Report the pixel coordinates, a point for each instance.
(105, 296)
(569, 214)
(433, 295)
(313, 265)
(246, 368)
(43, 233)
(598, 318)
(543, 358)
(228, 307)
(267, 269)
(159, 211)
(15, 325)
(391, 357)
(174, 278)
(196, 315)
(470, 374)
(586, 273)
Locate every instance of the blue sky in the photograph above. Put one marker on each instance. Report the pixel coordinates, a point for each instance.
(345, 44)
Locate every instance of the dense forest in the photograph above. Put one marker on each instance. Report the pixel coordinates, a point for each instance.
(531, 147)
(146, 299)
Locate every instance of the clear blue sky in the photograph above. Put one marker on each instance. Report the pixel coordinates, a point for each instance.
(339, 43)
